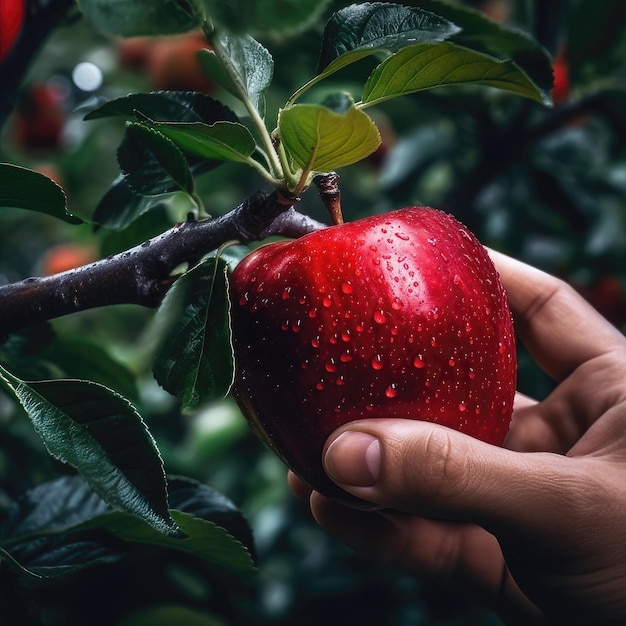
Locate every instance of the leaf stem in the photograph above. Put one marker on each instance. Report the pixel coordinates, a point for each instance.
(290, 176)
(304, 88)
(274, 163)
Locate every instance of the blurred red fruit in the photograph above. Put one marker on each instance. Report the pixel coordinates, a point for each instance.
(66, 256)
(173, 64)
(562, 88)
(11, 18)
(39, 118)
(170, 62)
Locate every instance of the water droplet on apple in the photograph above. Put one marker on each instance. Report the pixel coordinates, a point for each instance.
(377, 362)
(327, 302)
(330, 365)
(346, 357)
(402, 236)
(379, 317)
(391, 391)
(462, 407)
(296, 327)
(347, 288)
(418, 362)
(451, 362)
(433, 342)
(284, 326)
(319, 386)
(360, 328)
(397, 304)
(313, 313)
(315, 342)
(472, 373)
(340, 381)
(286, 293)
(345, 336)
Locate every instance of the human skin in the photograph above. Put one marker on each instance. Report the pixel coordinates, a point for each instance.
(535, 529)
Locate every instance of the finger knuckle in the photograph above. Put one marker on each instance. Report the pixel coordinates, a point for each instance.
(446, 468)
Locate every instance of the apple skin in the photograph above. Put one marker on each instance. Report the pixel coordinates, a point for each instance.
(397, 315)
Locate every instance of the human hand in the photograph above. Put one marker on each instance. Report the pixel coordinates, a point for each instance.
(535, 528)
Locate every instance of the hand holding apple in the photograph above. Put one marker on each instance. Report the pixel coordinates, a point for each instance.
(396, 315)
(534, 531)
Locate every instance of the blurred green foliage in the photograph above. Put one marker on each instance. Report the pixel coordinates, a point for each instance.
(545, 185)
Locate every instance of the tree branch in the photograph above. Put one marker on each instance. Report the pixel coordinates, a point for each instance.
(143, 274)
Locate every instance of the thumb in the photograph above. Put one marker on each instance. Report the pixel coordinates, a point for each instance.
(430, 470)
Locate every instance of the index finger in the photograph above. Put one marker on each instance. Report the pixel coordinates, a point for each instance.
(560, 329)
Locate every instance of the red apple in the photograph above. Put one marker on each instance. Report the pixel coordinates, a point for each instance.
(396, 315)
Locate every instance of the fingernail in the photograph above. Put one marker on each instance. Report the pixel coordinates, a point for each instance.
(353, 459)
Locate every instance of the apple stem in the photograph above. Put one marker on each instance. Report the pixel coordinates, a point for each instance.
(328, 189)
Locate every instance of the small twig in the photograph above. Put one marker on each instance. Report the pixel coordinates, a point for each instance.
(328, 189)
(143, 274)
(292, 224)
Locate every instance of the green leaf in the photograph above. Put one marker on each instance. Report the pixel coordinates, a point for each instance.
(425, 66)
(321, 140)
(152, 163)
(203, 539)
(596, 43)
(22, 351)
(100, 434)
(195, 361)
(131, 18)
(57, 528)
(171, 614)
(224, 141)
(265, 16)
(250, 67)
(21, 188)
(360, 30)
(166, 106)
(121, 205)
(80, 356)
(214, 69)
(482, 34)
